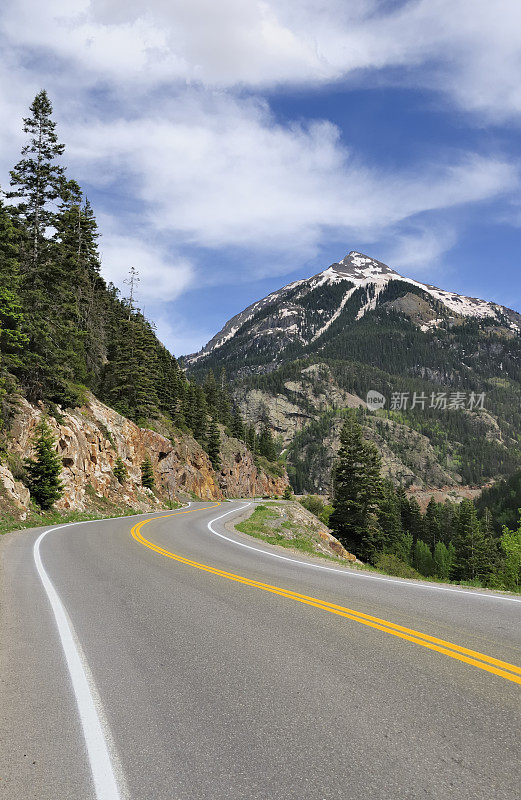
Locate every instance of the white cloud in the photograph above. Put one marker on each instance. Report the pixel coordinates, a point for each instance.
(162, 278)
(471, 51)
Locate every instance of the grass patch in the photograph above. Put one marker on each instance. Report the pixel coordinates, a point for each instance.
(263, 525)
(37, 520)
(106, 510)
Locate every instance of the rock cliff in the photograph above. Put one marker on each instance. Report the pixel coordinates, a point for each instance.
(90, 439)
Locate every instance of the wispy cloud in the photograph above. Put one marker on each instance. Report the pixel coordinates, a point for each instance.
(217, 171)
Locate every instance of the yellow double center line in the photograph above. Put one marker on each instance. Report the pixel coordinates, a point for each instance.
(494, 665)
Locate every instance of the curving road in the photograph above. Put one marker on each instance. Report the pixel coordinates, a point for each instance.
(166, 657)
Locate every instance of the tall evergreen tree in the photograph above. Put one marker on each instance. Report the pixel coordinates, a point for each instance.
(12, 340)
(265, 445)
(37, 178)
(423, 560)
(238, 428)
(472, 558)
(251, 438)
(129, 380)
(43, 471)
(211, 391)
(442, 562)
(213, 447)
(412, 521)
(37, 181)
(390, 520)
(357, 492)
(200, 420)
(431, 524)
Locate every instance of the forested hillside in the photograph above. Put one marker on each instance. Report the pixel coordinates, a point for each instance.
(64, 330)
(449, 541)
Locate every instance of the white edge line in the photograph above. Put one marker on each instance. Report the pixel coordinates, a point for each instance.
(351, 573)
(105, 783)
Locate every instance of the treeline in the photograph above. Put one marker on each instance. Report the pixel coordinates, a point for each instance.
(383, 526)
(63, 330)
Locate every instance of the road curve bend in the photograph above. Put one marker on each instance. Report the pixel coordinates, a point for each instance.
(168, 657)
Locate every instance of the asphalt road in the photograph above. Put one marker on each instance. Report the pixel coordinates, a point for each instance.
(194, 683)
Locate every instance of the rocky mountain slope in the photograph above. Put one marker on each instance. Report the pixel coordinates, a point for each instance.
(91, 438)
(301, 355)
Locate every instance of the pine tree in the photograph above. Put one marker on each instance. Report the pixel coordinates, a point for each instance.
(356, 492)
(511, 547)
(412, 520)
(251, 439)
(211, 391)
(70, 284)
(224, 404)
(43, 471)
(404, 548)
(442, 562)
(213, 447)
(288, 494)
(189, 406)
(266, 445)
(237, 428)
(423, 560)
(12, 340)
(178, 414)
(147, 473)
(37, 181)
(129, 380)
(390, 520)
(472, 559)
(199, 418)
(431, 524)
(120, 470)
(37, 178)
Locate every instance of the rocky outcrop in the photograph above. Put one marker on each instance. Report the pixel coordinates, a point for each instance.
(241, 477)
(300, 402)
(91, 438)
(14, 493)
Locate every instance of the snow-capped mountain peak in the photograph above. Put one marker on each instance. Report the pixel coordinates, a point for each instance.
(302, 312)
(357, 266)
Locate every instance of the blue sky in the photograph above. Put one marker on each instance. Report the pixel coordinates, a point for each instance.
(230, 148)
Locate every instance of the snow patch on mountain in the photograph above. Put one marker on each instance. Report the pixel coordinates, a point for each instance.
(335, 316)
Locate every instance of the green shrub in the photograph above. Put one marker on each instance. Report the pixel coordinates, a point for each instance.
(120, 470)
(393, 565)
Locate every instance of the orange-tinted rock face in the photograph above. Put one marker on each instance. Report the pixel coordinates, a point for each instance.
(239, 476)
(90, 439)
